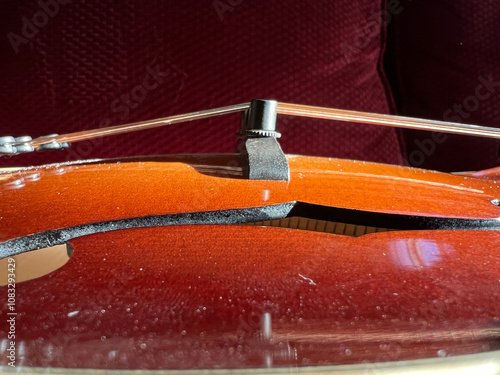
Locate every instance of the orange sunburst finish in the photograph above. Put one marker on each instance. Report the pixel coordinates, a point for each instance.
(236, 296)
(45, 198)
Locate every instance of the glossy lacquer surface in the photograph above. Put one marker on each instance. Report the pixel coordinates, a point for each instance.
(60, 196)
(229, 296)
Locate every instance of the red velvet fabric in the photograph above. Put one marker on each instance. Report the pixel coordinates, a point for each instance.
(447, 67)
(97, 63)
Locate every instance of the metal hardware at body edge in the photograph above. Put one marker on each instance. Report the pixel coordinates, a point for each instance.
(21, 145)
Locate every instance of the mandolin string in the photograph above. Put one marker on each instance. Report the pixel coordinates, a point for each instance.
(386, 120)
(283, 109)
(136, 126)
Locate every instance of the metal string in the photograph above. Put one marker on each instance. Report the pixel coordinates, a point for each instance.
(284, 109)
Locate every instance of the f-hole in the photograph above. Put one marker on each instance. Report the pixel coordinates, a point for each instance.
(34, 264)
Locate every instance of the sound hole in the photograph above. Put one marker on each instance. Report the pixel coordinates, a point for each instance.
(322, 226)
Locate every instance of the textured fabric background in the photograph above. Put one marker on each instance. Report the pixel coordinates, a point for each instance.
(89, 64)
(444, 52)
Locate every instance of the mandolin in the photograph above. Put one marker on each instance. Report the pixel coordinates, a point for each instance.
(253, 262)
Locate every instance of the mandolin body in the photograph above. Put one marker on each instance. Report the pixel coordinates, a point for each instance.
(178, 262)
